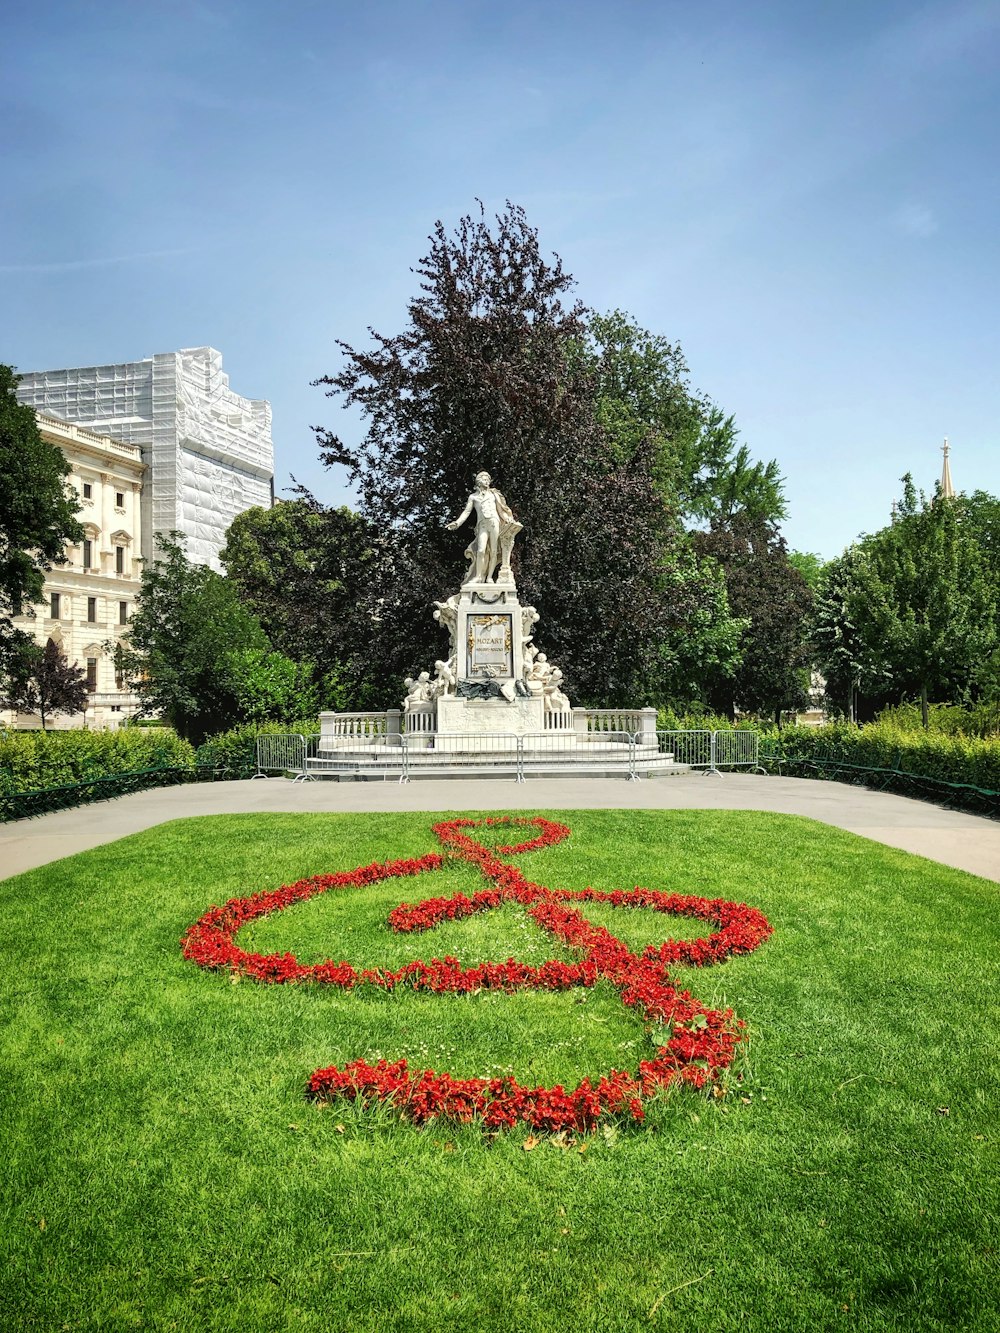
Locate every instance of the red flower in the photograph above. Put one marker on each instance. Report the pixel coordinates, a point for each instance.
(699, 1042)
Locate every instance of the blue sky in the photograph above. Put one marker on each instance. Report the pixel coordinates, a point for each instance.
(806, 196)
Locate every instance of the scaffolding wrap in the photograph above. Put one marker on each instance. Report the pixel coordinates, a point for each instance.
(207, 448)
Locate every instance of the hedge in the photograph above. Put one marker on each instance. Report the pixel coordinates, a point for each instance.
(232, 753)
(34, 760)
(906, 761)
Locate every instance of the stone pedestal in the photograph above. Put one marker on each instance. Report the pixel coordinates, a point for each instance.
(487, 717)
(488, 638)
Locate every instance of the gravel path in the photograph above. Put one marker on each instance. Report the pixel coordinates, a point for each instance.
(968, 842)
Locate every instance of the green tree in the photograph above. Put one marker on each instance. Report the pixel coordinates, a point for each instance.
(42, 681)
(839, 646)
(488, 373)
(187, 621)
(810, 566)
(921, 603)
(767, 591)
(308, 573)
(270, 687)
(37, 513)
(644, 393)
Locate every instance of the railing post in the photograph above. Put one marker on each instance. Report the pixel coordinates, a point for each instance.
(712, 750)
(404, 770)
(647, 728)
(633, 776)
(519, 769)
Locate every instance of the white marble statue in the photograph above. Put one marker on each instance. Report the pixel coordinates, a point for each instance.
(445, 680)
(538, 674)
(418, 691)
(555, 700)
(529, 619)
(496, 528)
(447, 617)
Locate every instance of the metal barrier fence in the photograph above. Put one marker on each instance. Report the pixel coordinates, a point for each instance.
(480, 755)
(737, 749)
(597, 753)
(281, 754)
(693, 748)
(712, 750)
(635, 754)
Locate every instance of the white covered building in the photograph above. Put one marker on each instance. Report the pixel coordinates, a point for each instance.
(207, 451)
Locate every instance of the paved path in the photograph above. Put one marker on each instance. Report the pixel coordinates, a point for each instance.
(968, 842)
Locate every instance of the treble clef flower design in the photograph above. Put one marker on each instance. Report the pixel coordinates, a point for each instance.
(698, 1042)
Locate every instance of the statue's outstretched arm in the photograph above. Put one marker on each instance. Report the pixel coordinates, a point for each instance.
(457, 523)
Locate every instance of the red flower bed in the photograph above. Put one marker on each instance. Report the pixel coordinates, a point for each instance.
(699, 1042)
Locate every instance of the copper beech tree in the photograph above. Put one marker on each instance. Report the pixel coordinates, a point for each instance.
(491, 371)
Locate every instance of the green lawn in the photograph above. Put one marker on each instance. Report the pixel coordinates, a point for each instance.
(163, 1169)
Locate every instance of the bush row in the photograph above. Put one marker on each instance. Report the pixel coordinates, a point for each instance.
(37, 760)
(233, 753)
(941, 757)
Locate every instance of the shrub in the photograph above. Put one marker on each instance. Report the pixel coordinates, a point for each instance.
(36, 760)
(232, 753)
(981, 720)
(882, 745)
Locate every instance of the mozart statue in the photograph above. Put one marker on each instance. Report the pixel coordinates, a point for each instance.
(496, 528)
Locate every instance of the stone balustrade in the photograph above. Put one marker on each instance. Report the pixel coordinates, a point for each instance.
(419, 720)
(360, 726)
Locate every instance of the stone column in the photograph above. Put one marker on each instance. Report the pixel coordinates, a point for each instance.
(107, 522)
(135, 529)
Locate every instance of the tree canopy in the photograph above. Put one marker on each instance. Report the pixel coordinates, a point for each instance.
(37, 513)
(309, 572)
(771, 595)
(911, 611)
(644, 394)
(490, 372)
(187, 620)
(43, 681)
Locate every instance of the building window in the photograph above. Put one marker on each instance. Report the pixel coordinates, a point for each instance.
(123, 613)
(55, 605)
(91, 609)
(119, 559)
(88, 490)
(88, 550)
(120, 499)
(91, 674)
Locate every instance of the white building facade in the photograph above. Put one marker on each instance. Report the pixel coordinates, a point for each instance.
(207, 450)
(88, 601)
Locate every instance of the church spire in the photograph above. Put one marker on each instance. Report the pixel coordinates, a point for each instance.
(947, 489)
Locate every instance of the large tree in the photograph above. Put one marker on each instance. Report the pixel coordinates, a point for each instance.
(187, 621)
(644, 394)
(37, 513)
(488, 373)
(767, 590)
(840, 646)
(43, 681)
(921, 600)
(307, 571)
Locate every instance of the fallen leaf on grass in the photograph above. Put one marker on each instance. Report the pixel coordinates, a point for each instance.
(530, 1142)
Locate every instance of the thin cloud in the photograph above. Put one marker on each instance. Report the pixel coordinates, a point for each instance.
(916, 220)
(108, 261)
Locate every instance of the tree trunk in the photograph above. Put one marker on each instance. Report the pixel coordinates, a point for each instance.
(923, 707)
